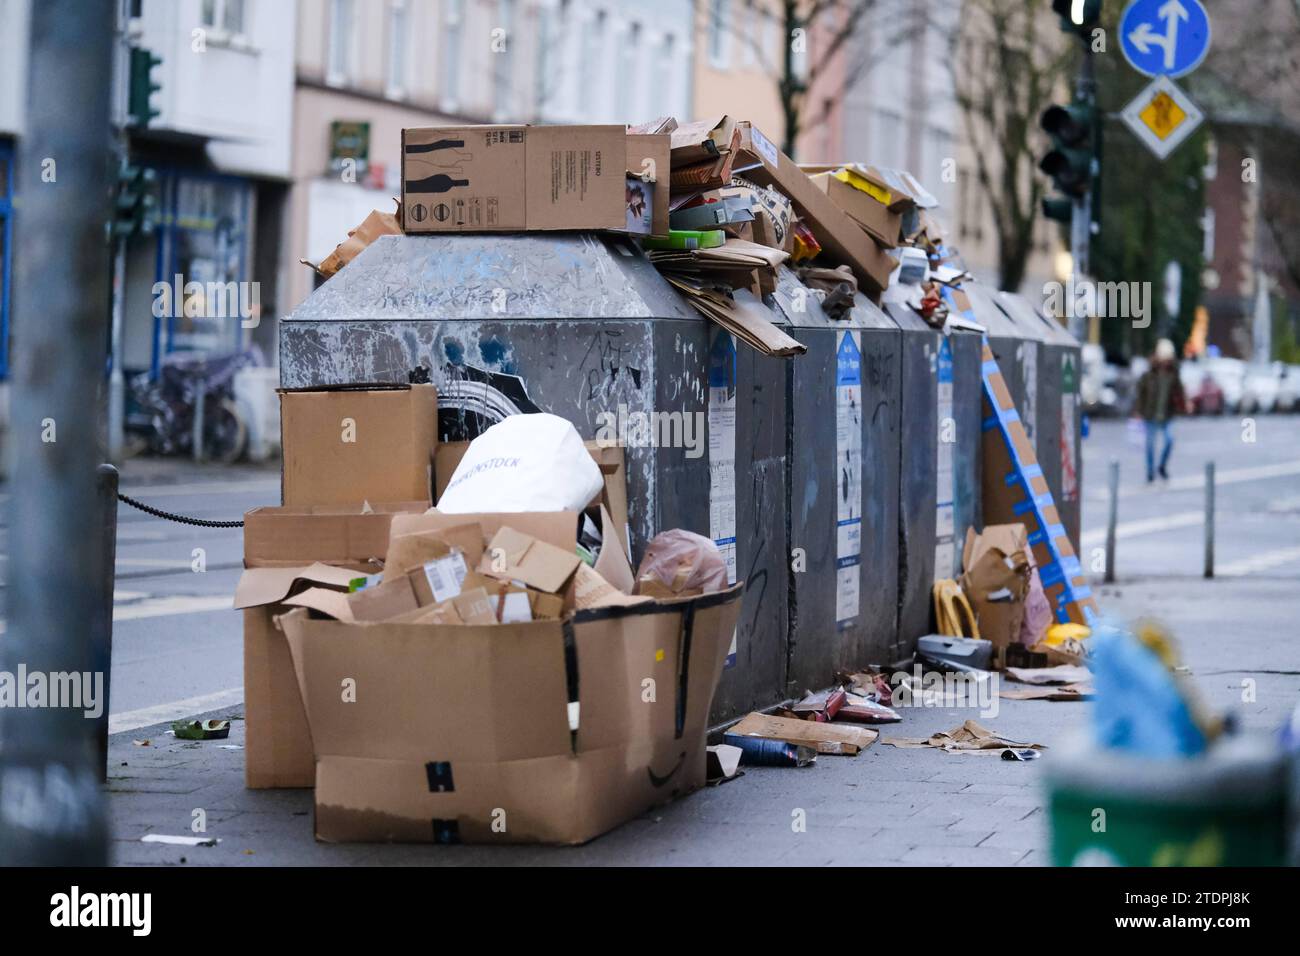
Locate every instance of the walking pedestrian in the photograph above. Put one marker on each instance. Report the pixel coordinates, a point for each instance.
(1159, 398)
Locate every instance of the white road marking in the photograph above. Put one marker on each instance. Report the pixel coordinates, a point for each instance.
(174, 710)
(1229, 476)
(1258, 562)
(155, 562)
(165, 606)
(161, 606)
(1132, 529)
(127, 532)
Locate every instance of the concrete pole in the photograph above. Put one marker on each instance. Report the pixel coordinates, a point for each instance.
(1112, 519)
(51, 807)
(1209, 519)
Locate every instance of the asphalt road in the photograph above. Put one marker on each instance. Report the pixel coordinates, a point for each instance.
(1161, 527)
(178, 645)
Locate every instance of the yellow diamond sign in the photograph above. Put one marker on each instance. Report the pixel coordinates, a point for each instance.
(1162, 116)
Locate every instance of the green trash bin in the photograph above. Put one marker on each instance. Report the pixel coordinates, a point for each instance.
(1227, 808)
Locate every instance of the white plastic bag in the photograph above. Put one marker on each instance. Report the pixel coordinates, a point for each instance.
(524, 463)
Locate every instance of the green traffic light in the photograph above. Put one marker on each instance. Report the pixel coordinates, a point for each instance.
(142, 86)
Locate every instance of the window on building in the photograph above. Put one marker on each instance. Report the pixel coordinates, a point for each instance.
(748, 55)
(453, 28)
(592, 57)
(340, 67)
(665, 88)
(399, 42)
(224, 15)
(542, 92)
(720, 33)
(503, 55)
(1207, 235)
(630, 80)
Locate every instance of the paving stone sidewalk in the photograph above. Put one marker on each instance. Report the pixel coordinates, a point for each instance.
(887, 806)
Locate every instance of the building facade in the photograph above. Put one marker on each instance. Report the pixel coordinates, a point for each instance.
(365, 69)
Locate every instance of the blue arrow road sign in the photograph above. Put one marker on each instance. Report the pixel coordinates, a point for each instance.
(1164, 37)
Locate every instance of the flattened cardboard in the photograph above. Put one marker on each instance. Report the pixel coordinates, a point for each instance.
(516, 556)
(559, 528)
(841, 739)
(841, 237)
(514, 178)
(425, 761)
(862, 207)
(409, 551)
(1014, 490)
(280, 546)
(348, 445)
(331, 534)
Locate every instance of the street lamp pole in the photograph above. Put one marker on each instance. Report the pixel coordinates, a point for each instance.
(51, 806)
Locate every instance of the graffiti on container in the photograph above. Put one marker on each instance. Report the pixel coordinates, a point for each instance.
(606, 356)
(880, 376)
(471, 399)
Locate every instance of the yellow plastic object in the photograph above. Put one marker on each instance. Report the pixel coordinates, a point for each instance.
(950, 610)
(1058, 634)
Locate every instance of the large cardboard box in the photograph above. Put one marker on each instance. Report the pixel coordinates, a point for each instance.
(356, 443)
(462, 733)
(995, 580)
(865, 199)
(286, 551)
(1014, 491)
(514, 178)
(843, 239)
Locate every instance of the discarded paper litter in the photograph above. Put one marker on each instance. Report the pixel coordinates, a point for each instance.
(969, 738)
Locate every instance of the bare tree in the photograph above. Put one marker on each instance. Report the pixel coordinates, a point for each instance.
(817, 40)
(1008, 61)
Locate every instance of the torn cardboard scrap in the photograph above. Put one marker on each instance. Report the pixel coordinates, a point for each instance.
(824, 738)
(969, 738)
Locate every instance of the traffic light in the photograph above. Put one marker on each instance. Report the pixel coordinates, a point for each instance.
(142, 86)
(134, 210)
(1078, 16)
(1070, 160)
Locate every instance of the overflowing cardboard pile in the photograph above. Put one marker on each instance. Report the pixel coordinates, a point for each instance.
(459, 677)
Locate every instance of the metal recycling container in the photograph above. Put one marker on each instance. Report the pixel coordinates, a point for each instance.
(1059, 411)
(843, 463)
(747, 499)
(582, 326)
(967, 350)
(939, 476)
(1017, 345)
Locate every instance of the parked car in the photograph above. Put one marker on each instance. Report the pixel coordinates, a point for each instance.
(1229, 375)
(1288, 389)
(1260, 387)
(1204, 396)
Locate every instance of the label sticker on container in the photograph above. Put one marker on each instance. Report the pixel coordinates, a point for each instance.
(945, 524)
(722, 455)
(1029, 375)
(445, 575)
(1069, 396)
(848, 476)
